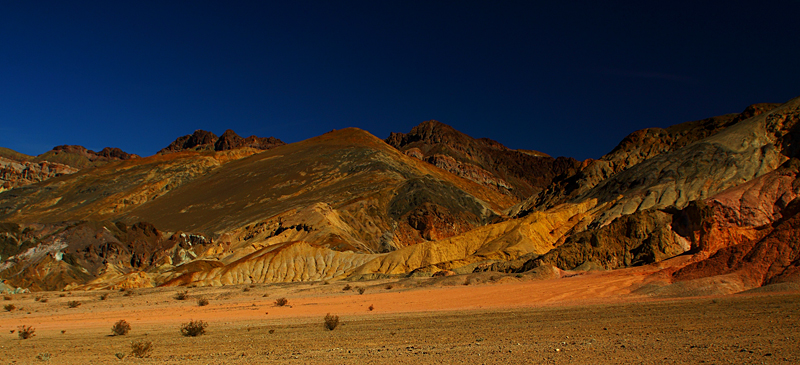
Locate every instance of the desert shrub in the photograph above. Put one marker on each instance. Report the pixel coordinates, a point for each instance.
(120, 355)
(331, 322)
(202, 302)
(181, 295)
(389, 286)
(6, 297)
(280, 302)
(246, 290)
(127, 293)
(9, 307)
(121, 328)
(62, 295)
(361, 290)
(371, 307)
(43, 300)
(73, 304)
(37, 299)
(271, 331)
(193, 328)
(25, 333)
(141, 348)
(347, 287)
(104, 296)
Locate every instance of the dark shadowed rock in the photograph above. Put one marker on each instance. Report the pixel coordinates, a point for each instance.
(517, 173)
(199, 140)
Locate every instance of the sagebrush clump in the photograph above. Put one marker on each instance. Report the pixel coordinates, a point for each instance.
(141, 349)
(280, 302)
(25, 333)
(202, 302)
(73, 304)
(181, 295)
(9, 307)
(331, 322)
(121, 328)
(193, 328)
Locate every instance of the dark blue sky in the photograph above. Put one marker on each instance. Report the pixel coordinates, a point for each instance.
(565, 78)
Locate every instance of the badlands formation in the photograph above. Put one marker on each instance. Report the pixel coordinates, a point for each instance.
(431, 245)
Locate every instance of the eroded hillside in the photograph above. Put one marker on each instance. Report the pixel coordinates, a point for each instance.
(708, 202)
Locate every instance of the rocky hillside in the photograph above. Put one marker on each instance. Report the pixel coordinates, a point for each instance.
(517, 173)
(711, 205)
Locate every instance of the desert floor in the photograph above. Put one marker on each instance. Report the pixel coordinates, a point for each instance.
(480, 318)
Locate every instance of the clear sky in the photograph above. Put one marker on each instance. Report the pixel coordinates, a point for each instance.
(566, 78)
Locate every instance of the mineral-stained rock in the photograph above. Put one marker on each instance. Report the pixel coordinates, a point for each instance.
(21, 173)
(771, 259)
(637, 239)
(52, 257)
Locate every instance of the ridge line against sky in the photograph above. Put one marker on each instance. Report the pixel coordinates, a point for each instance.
(568, 79)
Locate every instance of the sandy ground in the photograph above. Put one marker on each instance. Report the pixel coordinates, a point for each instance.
(481, 318)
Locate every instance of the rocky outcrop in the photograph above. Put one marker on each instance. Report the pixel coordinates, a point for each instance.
(517, 173)
(199, 140)
(21, 173)
(230, 140)
(79, 157)
(202, 140)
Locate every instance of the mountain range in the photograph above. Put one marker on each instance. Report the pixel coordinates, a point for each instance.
(712, 205)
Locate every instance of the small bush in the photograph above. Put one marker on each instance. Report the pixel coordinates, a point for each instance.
(371, 307)
(37, 299)
(120, 355)
(347, 287)
(73, 304)
(361, 290)
(271, 331)
(6, 297)
(141, 348)
(193, 328)
(389, 286)
(62, 295)
(9, 307)
(127, 293)
(246, 290)
(104, 296)
(25, 333)
(280, 302)
(181, 295)
(331, 322)
(43, 300)
(121, 328)
(202, 302)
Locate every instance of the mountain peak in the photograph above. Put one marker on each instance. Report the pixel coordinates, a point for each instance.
(202, 140)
